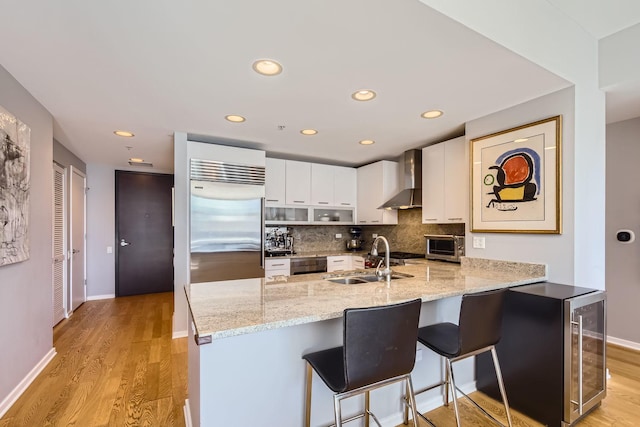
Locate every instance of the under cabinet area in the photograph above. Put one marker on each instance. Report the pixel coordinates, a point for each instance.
(377, 183)
(445, 182)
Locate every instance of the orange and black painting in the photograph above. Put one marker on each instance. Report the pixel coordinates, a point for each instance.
(516, 179)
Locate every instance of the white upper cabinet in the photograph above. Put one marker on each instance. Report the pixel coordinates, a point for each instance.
(322, 186)
(298, 183)
(445, 182)
(345, 191)
(377, 183)
(275, 181)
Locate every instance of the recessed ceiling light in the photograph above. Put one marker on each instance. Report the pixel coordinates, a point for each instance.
(367, 142)
(363, 95)
(234, 118)
(136, 160)
(308, 131)
(267, 67)
(431, 114)
(124, 133)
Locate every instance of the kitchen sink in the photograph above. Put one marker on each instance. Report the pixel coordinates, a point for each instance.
(353, 280)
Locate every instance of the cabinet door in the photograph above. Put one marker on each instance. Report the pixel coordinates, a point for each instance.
(456, 172)
(366, 183)
(357, 262)
(322, 184)
(298, 183)
(338, 263)
(433, 184)
(275, 181)
(345, 189)
(377, 183)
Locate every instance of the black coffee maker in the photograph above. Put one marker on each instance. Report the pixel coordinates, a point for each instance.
(355, 241)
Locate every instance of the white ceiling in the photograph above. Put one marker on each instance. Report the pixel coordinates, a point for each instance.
(155, 67)
(601, 18)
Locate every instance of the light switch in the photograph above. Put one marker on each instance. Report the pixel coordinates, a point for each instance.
(109, 249)
(478, 242)
(338, 235)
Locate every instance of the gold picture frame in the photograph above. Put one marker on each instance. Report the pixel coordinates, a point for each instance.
(516, 180)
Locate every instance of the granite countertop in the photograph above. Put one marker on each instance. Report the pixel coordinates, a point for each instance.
(235, 307)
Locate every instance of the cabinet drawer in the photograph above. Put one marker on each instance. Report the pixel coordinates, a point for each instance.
(277, 264)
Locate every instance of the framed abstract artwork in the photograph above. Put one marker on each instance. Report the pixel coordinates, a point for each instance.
(516, 179)
(15, 138)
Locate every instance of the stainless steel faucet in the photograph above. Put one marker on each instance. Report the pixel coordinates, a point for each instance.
(386, 273)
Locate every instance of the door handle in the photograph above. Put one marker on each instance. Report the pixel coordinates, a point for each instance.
(124, 243)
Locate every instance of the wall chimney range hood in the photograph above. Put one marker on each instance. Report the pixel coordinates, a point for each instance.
(411, 195)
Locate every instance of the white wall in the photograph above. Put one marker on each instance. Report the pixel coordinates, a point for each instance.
(566, 49)
(101, 228)
(26, 309)
(623, 266)
(554, 250)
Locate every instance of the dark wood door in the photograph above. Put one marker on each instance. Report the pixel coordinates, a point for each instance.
(144, 233)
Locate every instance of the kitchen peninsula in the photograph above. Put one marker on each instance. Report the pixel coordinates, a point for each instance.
(247, 368)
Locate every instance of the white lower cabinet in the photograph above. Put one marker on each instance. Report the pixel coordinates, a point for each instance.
(344, 263)
(277, 267)
(357, 262)
(338, 263)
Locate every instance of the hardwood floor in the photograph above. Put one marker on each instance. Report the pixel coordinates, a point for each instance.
(621, 407)
(116, 365)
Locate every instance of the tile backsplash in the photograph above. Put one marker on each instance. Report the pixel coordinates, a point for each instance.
(407, 236)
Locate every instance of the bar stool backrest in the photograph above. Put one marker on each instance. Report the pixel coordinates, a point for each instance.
(379, 342)
(480, 322)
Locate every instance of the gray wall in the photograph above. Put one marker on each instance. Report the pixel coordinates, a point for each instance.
(101, 227)
(623, 212)
(25, 288)
(557, 251)
(66, 158)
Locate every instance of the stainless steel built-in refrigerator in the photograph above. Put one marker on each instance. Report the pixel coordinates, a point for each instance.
(226, 221)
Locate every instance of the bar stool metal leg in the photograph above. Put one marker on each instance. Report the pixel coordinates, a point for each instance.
(453, 391)
(412, 400)
(337, 411)
(496, 364)
(446, 383)
(307, 408)
(366, 409)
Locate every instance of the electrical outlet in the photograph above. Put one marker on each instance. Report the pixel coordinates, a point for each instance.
(418, 354)
(478, 242)
(374, 235)
(338, 235)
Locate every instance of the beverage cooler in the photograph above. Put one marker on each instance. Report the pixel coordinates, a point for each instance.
(552, 353)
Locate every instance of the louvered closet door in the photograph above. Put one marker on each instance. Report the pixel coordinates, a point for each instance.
(59, 259)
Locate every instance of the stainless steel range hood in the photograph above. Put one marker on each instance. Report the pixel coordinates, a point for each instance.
(411, 195)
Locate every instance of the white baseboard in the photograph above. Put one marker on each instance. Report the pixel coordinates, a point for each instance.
(26, 381)
(187, 413)
(425, 405)
(180, 334)
(98, 297)
(623, 343)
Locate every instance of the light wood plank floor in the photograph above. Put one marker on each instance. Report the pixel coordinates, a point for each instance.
(116, 365)
(621, 407)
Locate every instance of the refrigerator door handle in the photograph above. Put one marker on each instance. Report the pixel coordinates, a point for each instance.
(580, 402)
(262, 231)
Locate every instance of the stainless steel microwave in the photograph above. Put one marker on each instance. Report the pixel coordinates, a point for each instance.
(444, 247)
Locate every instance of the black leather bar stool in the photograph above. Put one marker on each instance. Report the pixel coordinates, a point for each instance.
(379, 348)
(478, 330)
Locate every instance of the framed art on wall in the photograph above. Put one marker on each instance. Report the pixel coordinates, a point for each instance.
(15, 139)
(516, 179)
